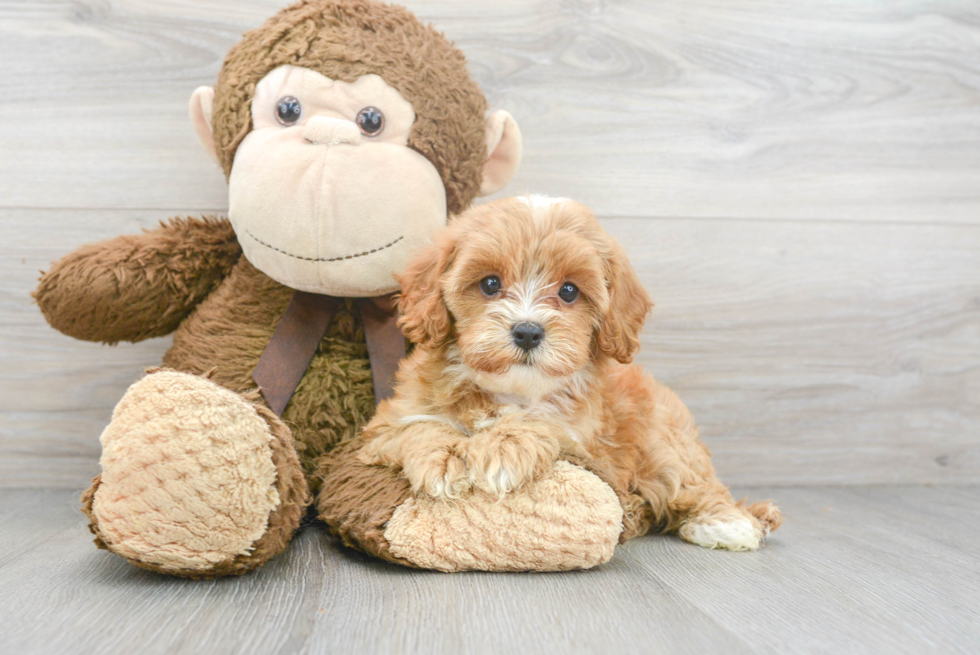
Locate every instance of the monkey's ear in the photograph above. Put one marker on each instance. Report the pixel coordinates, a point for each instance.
(503, 152)
(200, 106)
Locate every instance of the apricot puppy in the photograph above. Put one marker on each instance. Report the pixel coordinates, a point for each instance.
(526, 315)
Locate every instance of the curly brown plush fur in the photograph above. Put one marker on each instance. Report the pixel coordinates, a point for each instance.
(346, 39)
(228, 333)
(137, 287)
(189, 277)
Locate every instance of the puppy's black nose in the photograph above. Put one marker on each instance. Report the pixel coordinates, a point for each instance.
(527, 336)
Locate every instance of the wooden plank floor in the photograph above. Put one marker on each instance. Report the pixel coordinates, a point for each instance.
(853, 570)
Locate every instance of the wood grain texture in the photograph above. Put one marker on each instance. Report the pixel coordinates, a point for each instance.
(799, 186)
(823, 352)
(857, 570)
(711, 108)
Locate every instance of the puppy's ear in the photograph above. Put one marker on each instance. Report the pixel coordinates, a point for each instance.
(629, 305)
(424, 316)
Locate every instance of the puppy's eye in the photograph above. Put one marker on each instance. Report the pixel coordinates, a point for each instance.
(371, 121)
(568, 292)
(490, 285)
(288, 110)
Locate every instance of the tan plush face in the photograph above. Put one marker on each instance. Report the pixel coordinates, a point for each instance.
(322, 203)
(317, 202)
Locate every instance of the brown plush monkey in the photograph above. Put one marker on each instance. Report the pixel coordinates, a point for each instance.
(349, 133)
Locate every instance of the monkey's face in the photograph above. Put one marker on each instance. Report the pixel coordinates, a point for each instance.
(348, 131)
(325, 194)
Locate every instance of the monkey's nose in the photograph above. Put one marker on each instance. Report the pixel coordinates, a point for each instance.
(326, 131)
(527, 336)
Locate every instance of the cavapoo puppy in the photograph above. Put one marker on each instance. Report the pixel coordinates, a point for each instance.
(525, 315)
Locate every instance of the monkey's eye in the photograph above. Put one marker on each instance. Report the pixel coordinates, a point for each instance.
(288, 110)
(371, 121)
(568, 292)
(490, 285)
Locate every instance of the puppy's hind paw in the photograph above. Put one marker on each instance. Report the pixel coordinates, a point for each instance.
(729, 533)
(767, 513)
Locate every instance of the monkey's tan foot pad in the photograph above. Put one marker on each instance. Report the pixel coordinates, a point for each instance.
(196, 480)
(570, 519)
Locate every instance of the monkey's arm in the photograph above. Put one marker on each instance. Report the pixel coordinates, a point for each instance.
(140, 286)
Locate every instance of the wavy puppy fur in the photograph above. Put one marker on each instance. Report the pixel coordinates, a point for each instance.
(477, 410)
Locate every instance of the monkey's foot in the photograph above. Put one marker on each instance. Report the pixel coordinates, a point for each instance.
(567, 519)
(196, 480)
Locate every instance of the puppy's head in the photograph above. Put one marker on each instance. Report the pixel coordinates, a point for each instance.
(528, 291)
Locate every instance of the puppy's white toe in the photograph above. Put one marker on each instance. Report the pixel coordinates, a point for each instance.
(496, 481)
(447, 487)
(731, 534)
(437, 488)
(502, 481)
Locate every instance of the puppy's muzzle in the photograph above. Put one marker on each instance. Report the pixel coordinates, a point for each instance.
(527, 336)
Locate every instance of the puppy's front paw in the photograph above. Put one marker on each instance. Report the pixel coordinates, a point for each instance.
(371, 453)
(501, 461)
(440, 473)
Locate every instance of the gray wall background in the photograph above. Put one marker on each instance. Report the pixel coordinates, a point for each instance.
(797, 183)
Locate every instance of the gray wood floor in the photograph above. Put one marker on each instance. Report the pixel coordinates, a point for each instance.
(854, 570)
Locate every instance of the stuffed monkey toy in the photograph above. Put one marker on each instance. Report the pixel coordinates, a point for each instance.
(349, 132)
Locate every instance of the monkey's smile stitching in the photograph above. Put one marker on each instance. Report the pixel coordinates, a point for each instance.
(325, 259)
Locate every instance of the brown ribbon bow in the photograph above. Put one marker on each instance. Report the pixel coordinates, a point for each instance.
(286, 358)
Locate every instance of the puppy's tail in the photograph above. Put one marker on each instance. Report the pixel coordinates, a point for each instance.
(767, 513)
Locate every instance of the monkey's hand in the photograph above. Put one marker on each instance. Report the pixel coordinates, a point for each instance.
(135, 287)
(513, 452)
